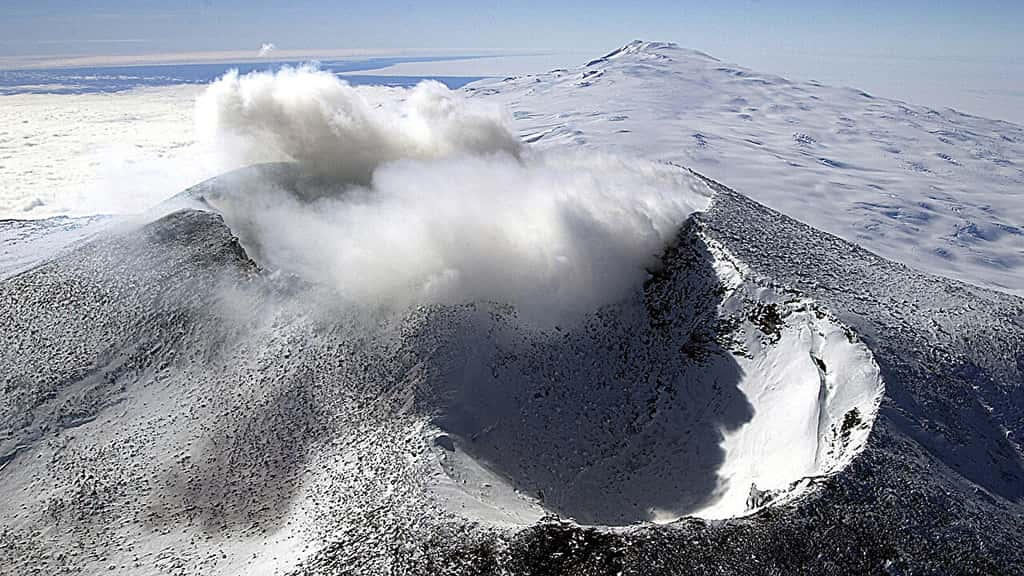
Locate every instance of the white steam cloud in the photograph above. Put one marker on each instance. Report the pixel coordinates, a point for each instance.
(423, 195)
(342, 131)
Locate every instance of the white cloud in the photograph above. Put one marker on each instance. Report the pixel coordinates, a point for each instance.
(91, 153)
(424, 195)
(343, 131)
(266, 49)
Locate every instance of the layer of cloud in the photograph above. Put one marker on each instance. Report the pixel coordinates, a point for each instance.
(98, 153)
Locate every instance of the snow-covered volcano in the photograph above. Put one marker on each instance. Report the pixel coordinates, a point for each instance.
(738, 393)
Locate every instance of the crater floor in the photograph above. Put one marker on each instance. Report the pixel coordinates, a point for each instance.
(709, 395)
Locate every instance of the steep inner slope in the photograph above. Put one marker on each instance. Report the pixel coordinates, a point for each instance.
(707, 395)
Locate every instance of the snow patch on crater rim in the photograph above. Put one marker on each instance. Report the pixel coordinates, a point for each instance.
(813, 386)
(815, 392)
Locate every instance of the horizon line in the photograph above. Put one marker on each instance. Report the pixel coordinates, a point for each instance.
(40, 62)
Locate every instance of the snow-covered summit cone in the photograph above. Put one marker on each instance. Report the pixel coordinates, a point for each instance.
(935, 189)
(656, 50)
(193, 411)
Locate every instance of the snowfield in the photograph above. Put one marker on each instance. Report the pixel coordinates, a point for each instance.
(934, 189)
(479, 356)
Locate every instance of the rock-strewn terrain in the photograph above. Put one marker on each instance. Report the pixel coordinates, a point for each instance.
(171, 408)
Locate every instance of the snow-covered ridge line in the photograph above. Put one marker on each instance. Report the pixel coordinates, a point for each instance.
(641, 46)
(935, 189)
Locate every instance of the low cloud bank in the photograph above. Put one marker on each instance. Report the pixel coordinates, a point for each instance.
(424, 195)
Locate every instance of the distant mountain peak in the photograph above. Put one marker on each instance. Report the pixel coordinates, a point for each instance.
(659, 49)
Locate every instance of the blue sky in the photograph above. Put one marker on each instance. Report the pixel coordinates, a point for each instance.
(958, 53)
(979, 30)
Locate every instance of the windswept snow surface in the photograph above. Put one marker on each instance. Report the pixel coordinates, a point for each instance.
(26, 243)
(936, 189)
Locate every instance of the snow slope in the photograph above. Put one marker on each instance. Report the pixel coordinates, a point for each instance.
(26, 243)
(937, 190)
